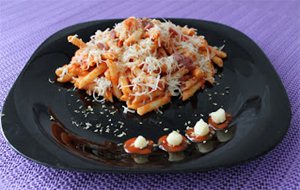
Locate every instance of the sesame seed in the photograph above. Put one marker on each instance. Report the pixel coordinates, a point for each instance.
(166, 129)
(89, 108)
(120, 122)
(88, 124)
(189, 122)
(116, 130)
(141, 123)
(112, 113)
(215, 104)
(51, 118)
(51, 81)
(122, 134)
(159, 111)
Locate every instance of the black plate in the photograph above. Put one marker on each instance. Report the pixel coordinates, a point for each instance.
(248, 87)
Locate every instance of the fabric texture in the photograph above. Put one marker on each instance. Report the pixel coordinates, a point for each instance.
(273, 25)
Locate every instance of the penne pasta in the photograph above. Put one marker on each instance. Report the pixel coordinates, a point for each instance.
(191, 91)
(153, 105)
(76, 41)
(123, 81)
(218, 61)
(218, 53)
(92, 75)
(143, 62)
(108, 96)
(116, 91)
(114, 72)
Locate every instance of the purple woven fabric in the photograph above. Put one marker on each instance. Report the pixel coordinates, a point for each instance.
(273, 25)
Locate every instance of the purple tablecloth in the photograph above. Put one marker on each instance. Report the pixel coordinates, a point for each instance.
(274, 25)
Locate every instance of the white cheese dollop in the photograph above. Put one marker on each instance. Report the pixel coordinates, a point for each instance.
(140, 142)
(201, 128)
(218, 116)
(174, 139)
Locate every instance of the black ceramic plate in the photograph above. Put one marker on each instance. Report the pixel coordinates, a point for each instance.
(247, 87)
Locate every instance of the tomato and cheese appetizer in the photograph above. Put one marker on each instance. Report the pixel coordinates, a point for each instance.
(138, 145)
(173, 142)
(201, 132)
(219, 119)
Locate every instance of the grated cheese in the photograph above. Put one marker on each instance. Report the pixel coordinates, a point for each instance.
(149, 67)
(101, 84)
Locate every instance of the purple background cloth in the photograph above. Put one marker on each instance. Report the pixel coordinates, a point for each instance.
(273, 25)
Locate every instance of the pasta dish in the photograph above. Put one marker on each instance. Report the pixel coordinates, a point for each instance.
(143, 62)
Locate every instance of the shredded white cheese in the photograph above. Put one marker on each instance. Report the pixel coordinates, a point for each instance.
(146, 55)
(101, 84)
